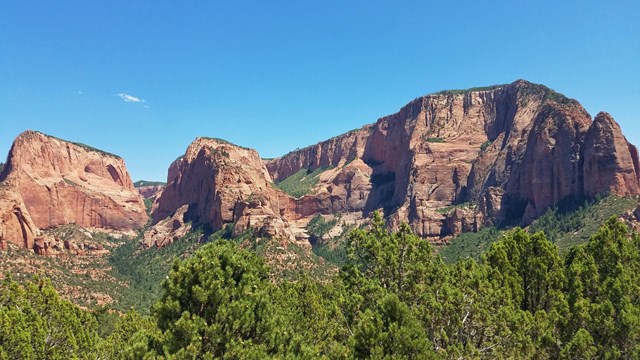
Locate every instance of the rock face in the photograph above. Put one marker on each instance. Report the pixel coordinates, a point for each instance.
(221, 183)
(16, 225)
(514, 150)
(50, 182)
(168, 230)
(446, 163)
(150, 191)
(611, 162)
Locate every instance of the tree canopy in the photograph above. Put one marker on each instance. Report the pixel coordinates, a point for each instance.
(395, 298)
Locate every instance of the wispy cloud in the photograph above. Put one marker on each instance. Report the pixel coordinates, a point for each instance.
(129, 98)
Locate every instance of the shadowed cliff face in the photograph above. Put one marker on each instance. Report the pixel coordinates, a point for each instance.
(50, 182)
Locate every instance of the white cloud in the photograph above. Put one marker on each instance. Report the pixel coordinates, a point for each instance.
(129, 98)
(80, 93)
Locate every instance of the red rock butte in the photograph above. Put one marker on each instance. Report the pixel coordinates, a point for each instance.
(48, 182)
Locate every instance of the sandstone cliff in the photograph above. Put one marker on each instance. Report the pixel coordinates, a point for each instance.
(16, 225)
(509, 151)
(55, 182)
(217, 183)
(611, 162)
(446, 163)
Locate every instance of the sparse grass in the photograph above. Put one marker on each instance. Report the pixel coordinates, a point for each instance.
(69, 182)
(464, 91)
(548, 94)
(301, 183)
(223, 141)
(91, 148)
(84, 146)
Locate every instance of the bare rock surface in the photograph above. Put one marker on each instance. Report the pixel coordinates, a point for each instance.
(150, 191)
(495, 155)
(48, 182)
(221, 183)
(514, 150)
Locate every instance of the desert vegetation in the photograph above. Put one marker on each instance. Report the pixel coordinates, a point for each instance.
(395, 297)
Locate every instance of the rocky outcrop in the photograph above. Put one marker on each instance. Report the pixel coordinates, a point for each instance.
(168, 230)
(611, 162)
(331, 153)
(461, 220)
(16, 225)
(67, 183)
(151, 191)
(221, 183)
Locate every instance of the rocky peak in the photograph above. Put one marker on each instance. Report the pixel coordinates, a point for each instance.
(59, 182)
(221, 183)
(611, 162)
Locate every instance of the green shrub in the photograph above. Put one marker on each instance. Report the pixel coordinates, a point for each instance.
(435, 140)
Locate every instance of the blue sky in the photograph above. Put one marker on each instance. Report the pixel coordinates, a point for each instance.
(280, 75)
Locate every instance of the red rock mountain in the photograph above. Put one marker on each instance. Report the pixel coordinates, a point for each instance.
(48, 182)
(445, 163)
(513, 150)
(218, 183)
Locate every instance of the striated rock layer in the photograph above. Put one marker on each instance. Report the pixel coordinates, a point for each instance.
(53, 182)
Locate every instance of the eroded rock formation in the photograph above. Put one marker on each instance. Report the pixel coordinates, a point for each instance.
(221, 183)
(49, 182)
(16, 225)
(446, 163)
(514, 150)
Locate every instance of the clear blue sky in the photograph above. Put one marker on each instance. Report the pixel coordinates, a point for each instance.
(277, 75)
